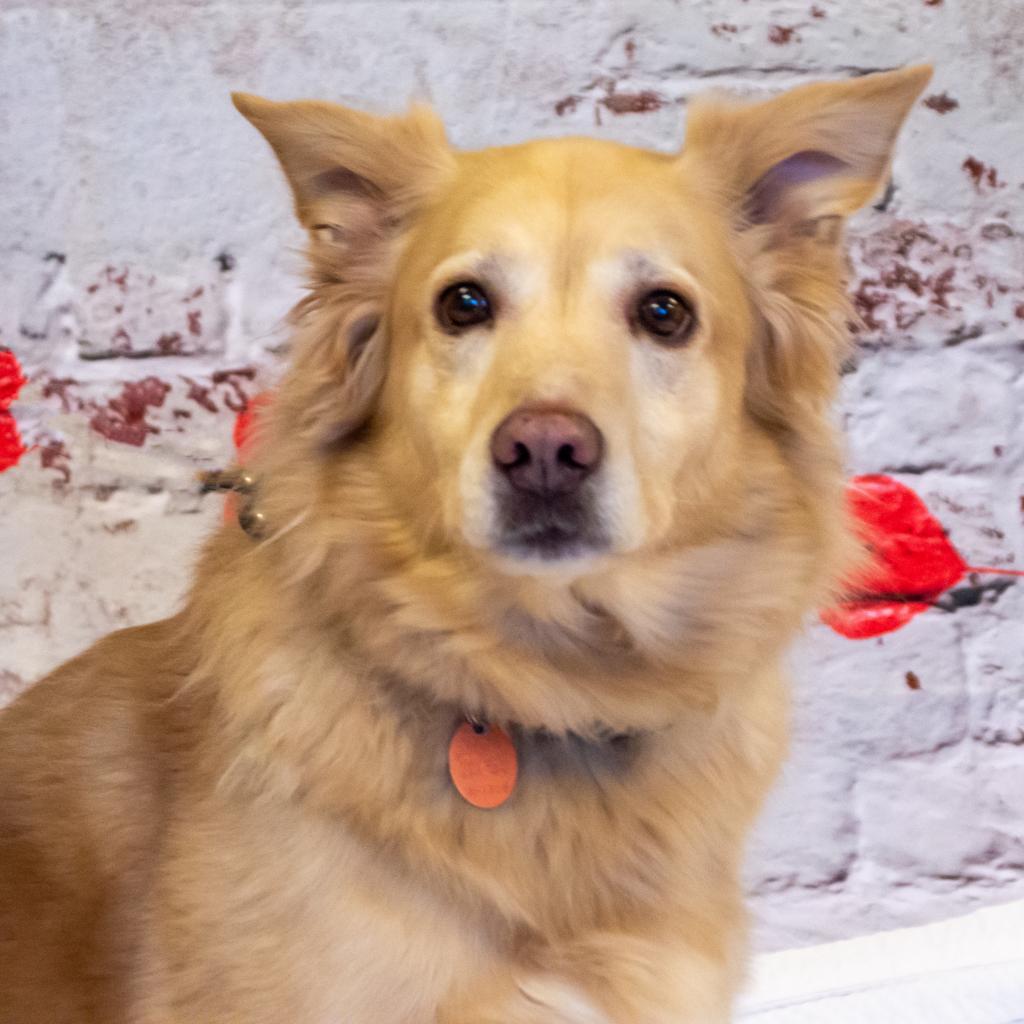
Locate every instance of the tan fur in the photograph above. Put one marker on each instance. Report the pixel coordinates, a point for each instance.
(242, 814)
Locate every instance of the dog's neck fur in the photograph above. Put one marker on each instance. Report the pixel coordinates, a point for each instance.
(629, 650)
(598, 744)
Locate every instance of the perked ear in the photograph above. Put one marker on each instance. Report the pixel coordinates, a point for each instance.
(356, 178)
(789, 170)
(351, 173)
(817, 151)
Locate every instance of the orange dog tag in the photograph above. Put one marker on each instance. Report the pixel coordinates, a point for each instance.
(483, 764)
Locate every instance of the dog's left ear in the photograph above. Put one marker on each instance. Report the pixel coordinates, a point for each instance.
(820, 150)
(790, 170)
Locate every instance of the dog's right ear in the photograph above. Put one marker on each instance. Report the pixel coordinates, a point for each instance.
(354, 177)
(356, 180)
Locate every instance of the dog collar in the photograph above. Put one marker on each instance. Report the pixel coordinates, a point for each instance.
(243, 483)
(485, 761)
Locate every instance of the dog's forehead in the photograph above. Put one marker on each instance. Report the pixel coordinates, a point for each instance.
(576, 198)
(577, 176)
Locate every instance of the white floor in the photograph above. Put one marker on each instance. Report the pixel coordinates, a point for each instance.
(969, 970)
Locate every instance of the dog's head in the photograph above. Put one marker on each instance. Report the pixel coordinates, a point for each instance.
(560, 351)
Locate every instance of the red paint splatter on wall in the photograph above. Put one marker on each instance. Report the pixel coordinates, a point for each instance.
(866, 299)
(12, 448)
(123, 419)
(53, 455)
(780, 35)
(235, 397)
(120, 280)
(633, 102)
(200, 394)
(122, 526)
(169, 344)
(941, 285)
(941, 103)
(981, 174)
(61, 388)
(643, 101)
(896, 289)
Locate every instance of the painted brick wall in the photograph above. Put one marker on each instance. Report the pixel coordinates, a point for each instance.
(147, 256)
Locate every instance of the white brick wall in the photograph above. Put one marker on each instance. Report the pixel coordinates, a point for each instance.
(144, 250)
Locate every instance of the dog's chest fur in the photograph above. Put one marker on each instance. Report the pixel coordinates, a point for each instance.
(270, 913)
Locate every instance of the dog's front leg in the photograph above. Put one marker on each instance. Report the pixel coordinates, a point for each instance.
(604, 979)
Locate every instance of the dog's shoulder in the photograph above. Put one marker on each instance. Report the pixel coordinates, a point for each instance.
(96, 732)
(85, 756)
(81, 715)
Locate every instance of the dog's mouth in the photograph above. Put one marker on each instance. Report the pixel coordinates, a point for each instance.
(548, 528)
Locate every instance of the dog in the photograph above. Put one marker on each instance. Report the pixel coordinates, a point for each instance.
(471, 723)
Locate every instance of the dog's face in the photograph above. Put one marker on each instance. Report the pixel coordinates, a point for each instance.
(562, 345)
(566, 350)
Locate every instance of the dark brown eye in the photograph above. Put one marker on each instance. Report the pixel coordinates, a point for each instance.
(666, 316)
(463, 306)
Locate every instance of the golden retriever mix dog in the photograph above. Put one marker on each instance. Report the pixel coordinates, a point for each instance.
(470, 726)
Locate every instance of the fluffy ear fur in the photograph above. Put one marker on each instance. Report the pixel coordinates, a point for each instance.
(816, 151)
(356, 180)
(352, 174)
(790, 170)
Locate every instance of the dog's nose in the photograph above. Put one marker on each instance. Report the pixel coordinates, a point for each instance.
(546, 451)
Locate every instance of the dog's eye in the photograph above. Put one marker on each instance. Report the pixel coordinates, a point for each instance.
(463, 306)
(666, 316)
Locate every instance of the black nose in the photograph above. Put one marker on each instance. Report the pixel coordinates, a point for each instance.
(546, 451)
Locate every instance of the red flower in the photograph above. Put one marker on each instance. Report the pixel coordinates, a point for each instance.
(11, 381)
(247, 420)
(11, 378)
(912, 562)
